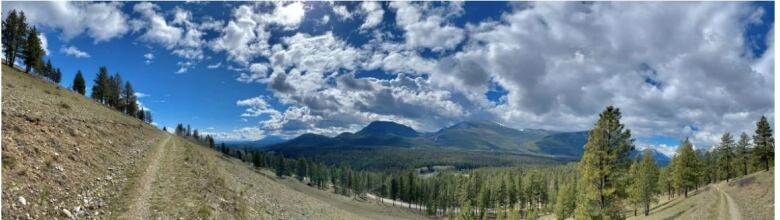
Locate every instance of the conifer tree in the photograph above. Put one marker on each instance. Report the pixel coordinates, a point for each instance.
(148, 117)
(141, 114)
(33, 51)
(685, 163)
(602, 168)
(763, 144)
(57, 75)
(129, 100)
(742, 155)
(79, 85)
(726, 156)
(100, 86)
(48, 70)
(115, 91)
(14, 31)
(646, 182)
(565, 202)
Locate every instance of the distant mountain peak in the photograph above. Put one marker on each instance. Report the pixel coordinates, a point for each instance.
(388, 127)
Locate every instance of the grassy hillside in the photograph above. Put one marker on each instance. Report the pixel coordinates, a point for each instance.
(64, 151)
(749, 197)
(65, 155)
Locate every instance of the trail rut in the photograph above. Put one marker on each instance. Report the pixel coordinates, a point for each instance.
(139, 206)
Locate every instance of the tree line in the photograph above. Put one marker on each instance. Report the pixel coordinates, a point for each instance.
(20, 40)
(187, 132)
(111, 90)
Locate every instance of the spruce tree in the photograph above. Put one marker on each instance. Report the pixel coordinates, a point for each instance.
(763, 144)
(100, 86)
(79, 85)
(726, 156)
(742, 155)
(33, 51)
(603, 167)
(129, 100)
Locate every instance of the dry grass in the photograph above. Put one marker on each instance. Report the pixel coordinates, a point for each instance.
(59, 149)
(754, 194)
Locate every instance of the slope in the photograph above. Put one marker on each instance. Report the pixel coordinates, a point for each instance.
(748, 197)
(62, 151)
(65, 155)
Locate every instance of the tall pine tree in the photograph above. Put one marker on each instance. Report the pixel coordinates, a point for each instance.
(14, 32)
(603, 167)
(763, 144)
(726, 156)
(742, 154)
(100, 86)
(33, 50)
(78, 83)
(685, 167)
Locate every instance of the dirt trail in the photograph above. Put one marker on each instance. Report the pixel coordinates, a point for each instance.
(139, 206)
(732, 206)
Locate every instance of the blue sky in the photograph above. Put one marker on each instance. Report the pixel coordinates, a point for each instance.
(243, 70)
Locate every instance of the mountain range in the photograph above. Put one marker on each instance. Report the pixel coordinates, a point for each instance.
(383, 144)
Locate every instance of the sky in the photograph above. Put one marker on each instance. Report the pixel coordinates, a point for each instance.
(245, 71)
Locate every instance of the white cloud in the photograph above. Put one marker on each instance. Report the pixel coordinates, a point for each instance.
(245, 133)
(184, 66)
(257, 73)
(181, 35)
(246, 36)
(342, 12)
(373, 12)
(214, 66)
(44, 43)
(257, 106)
(287, 15)
(73, 51)
(141, 95)
(325, 20)
(100, 21)
(427, 28)
(148, 57)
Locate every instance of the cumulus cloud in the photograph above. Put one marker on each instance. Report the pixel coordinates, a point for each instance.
(373, 12)
(342, 12)
(256, 106)
(74, 52)
(427, 28)
(181, 35)
(246, 36)
(100, 21)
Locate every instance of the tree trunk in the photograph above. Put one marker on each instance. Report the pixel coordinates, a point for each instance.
(647, 209)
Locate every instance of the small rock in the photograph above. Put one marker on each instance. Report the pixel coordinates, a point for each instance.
(21, 200)
(67, 213)
(59, 168)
